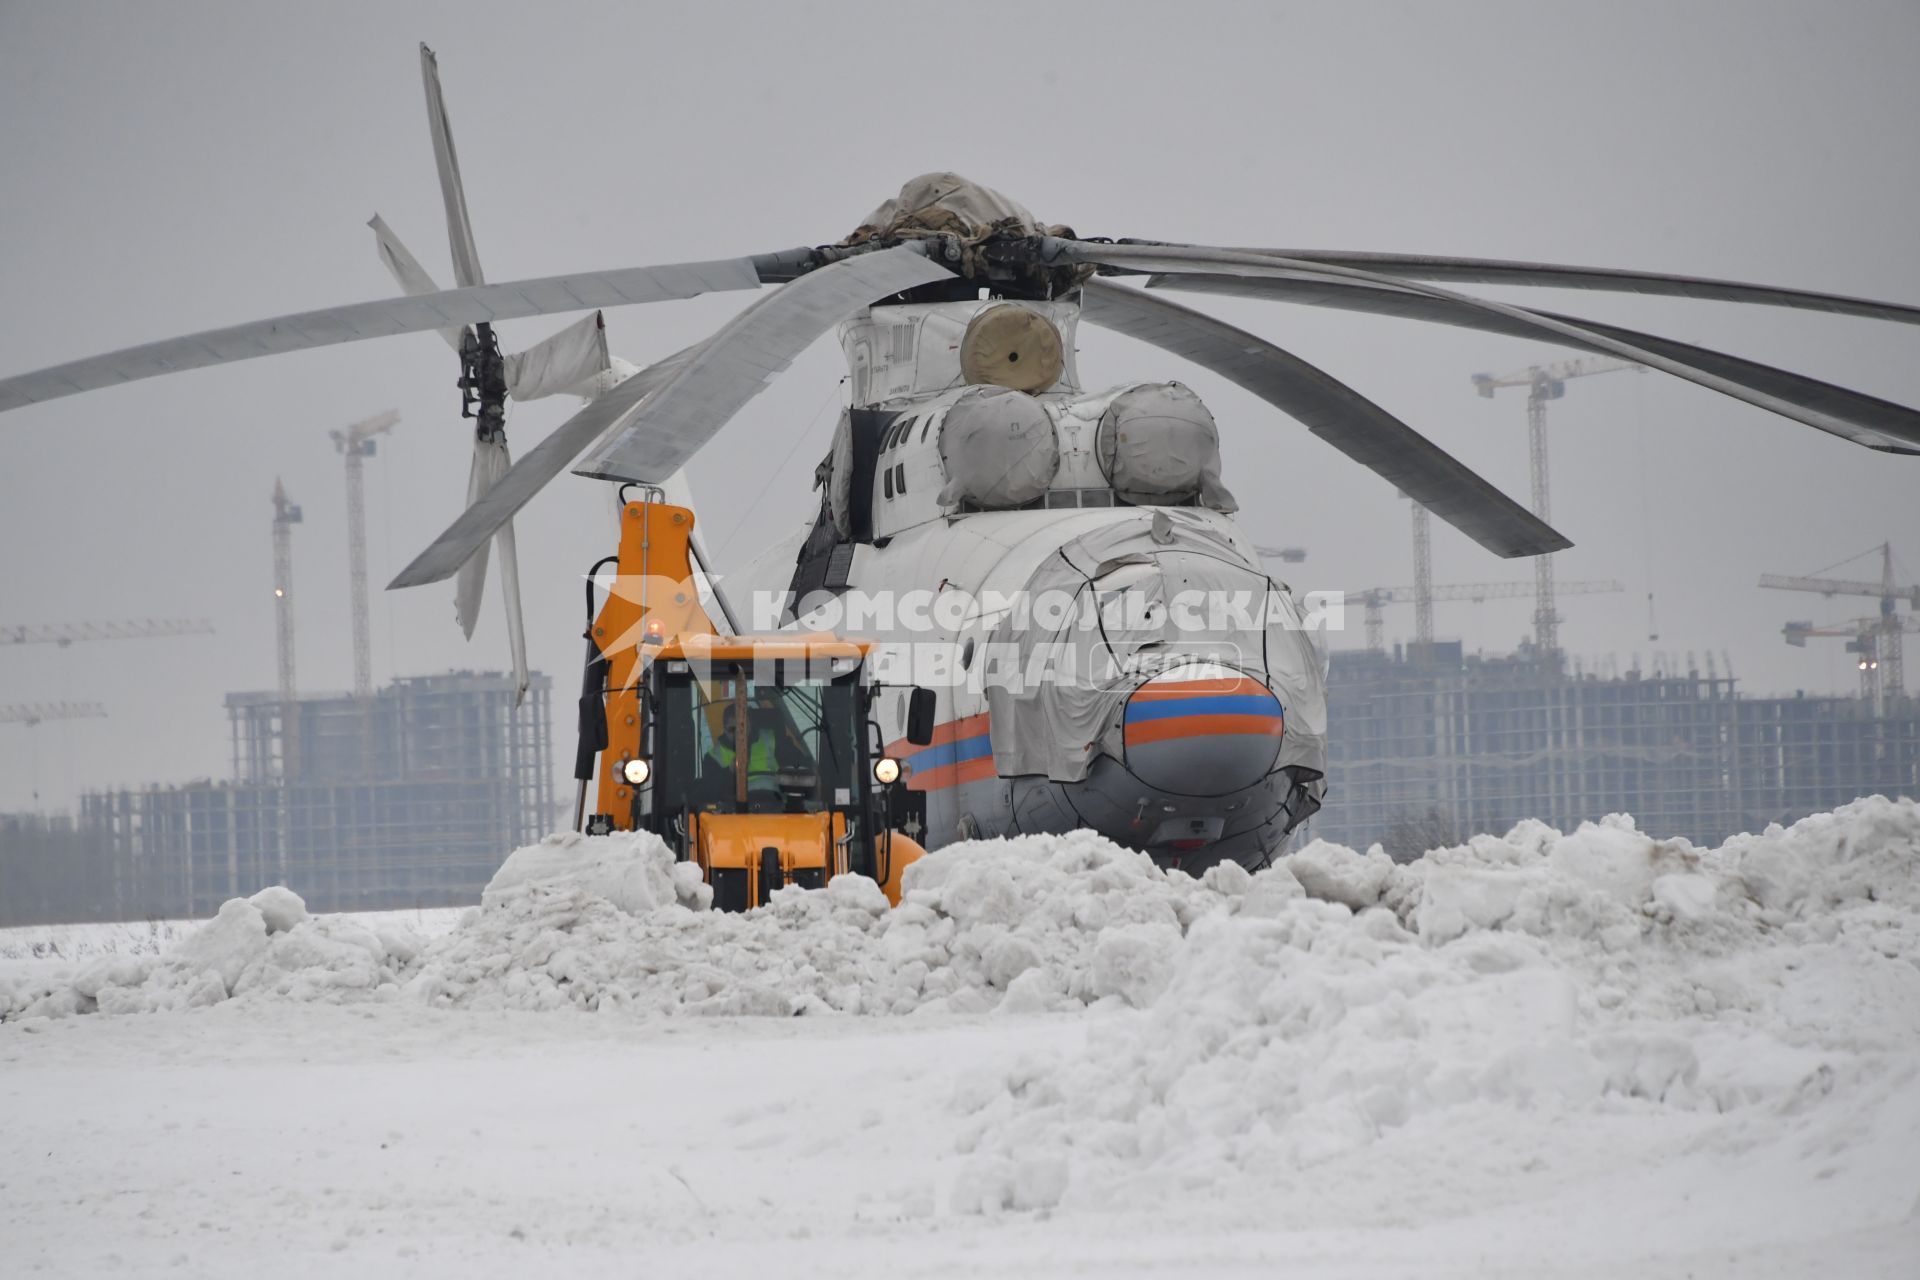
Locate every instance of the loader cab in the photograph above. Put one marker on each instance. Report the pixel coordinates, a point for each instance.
(785, 739)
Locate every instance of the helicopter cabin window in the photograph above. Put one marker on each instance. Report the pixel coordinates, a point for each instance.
(900, 479)
(889, 483)
(926, 427)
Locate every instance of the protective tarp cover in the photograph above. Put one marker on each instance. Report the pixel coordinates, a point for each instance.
(998, 450)
(1135, 585)
(1158, 444)
(945, 204)
(570, 361)
(836, 473)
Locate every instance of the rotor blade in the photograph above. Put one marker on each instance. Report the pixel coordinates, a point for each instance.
(470, 533)
(1331, 410)
(466, 258)
(471, 585)
(510, 594)
(568, 361)
(1554, 276)
(451, 308)
(1176, 258)
(737, 362)
(406, 270)
(1889, 427)
(822, 292)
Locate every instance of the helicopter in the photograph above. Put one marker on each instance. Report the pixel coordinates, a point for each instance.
(1059, 564)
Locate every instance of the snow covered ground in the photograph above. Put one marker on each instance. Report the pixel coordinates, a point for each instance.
(1592, 1054)
(66, 942)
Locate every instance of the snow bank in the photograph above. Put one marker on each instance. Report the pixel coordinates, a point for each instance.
(266, 944)
(1599, 973)
(1288, 1015)
(1031, 924)
(614, 922)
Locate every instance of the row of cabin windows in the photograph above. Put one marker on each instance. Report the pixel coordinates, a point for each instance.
(898, 433)
(895, 484)
(896, 475)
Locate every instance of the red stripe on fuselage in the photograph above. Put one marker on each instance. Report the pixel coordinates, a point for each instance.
(952, 775)
(1143, 731)
(951, 731)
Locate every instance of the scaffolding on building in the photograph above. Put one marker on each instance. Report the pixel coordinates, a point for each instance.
(1439, 749)
(410, 798)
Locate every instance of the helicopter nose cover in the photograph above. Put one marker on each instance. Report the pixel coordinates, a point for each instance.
(1166, 613)
(1206, 736)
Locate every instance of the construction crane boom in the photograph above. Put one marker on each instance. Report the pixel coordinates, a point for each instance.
(1838, 587)
(66, 633)
(1546, 382)
(32, 713)
(1869, 644)
(356, 445)
(1375, 599)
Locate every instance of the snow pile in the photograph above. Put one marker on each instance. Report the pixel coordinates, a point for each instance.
(1597, 974)
(266, 944)
(1030, 924)
(615, 922)
(1287, 1015)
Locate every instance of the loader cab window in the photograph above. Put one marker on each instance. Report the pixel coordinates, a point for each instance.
(730, 743)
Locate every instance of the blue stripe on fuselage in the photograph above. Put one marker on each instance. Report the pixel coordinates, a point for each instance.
(957, 752)
(1247, 704)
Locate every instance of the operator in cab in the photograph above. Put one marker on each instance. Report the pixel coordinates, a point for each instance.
(771, 751)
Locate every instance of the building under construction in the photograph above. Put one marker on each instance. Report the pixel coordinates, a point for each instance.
(1429, 745)
(410, 797)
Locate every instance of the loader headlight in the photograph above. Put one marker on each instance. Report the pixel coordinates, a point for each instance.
(637, 770)
(886, 771)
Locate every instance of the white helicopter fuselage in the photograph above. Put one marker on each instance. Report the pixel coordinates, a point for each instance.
(1104, 653)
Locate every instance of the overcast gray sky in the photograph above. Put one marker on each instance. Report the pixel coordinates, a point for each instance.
(172, 168)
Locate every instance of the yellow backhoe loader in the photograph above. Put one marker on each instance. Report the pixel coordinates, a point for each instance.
(756, 757)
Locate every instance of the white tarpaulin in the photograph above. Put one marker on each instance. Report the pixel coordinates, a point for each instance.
(944, 203)
(1148, 594)
(997, 448)
(1158, 444)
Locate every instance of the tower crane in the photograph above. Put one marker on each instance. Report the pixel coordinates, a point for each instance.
(356, 445)
(1886, 651)
(32, 713)
(1422, 576)
(286, 514)
(67, 633)
(1867, 635)
(1375, 599)
(1546, 382)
